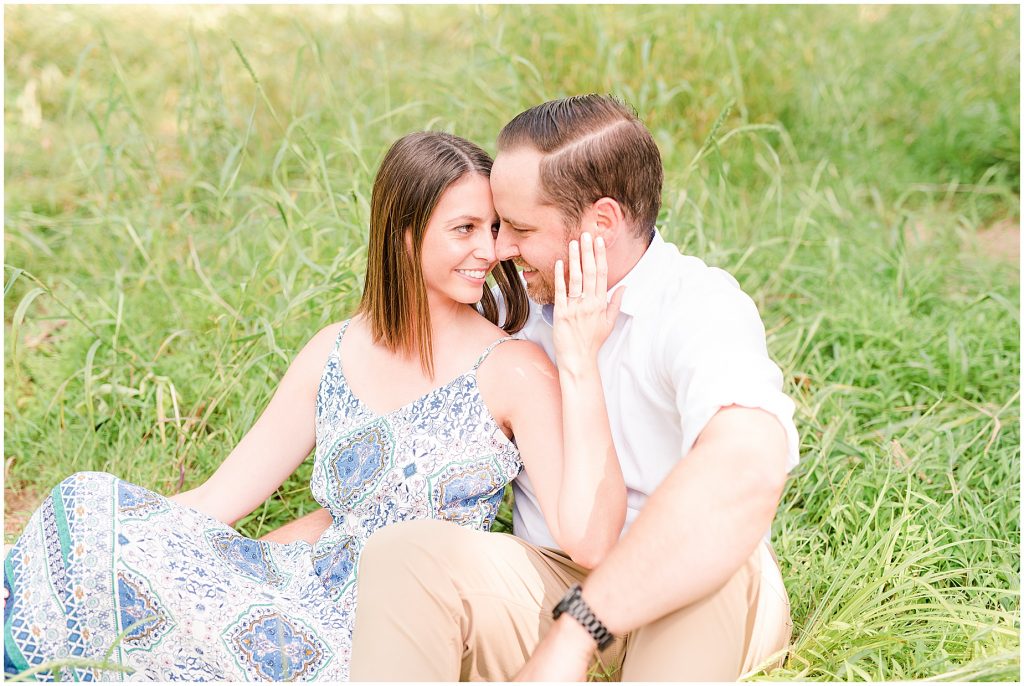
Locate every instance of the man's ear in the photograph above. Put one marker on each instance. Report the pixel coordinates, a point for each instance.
(607, 220)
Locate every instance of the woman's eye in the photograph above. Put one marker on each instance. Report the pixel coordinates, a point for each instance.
(495, 227)
(465, 228)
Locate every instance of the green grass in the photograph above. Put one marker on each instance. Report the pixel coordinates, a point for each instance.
(187, 200)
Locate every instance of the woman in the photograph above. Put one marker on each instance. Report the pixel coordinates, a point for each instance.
(169, 589)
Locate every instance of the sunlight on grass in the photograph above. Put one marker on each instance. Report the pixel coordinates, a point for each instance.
(187, 197)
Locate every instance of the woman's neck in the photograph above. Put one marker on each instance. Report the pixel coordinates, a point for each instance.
(447, 315)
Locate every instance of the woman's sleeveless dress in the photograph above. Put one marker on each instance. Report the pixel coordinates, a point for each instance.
(108, 568)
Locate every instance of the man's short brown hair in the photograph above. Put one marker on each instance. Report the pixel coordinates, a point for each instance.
(594, 146)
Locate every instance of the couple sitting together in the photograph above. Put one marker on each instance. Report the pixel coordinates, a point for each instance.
(645, 435)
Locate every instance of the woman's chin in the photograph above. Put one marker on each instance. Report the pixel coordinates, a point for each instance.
(470, 296)
(474, 300)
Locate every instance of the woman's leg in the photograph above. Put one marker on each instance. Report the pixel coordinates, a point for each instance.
(53, 574)
(309, 528)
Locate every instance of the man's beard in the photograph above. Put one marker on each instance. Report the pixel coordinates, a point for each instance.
(540, 289)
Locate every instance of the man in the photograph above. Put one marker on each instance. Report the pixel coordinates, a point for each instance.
(703, 434)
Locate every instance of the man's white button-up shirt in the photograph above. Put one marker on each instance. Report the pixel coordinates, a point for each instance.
(687, 342)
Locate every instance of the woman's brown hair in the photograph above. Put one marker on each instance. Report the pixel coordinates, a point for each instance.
(413, 175)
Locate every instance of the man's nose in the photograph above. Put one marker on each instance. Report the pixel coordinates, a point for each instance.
(504, 247)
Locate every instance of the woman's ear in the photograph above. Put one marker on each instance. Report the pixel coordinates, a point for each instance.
(407, 235)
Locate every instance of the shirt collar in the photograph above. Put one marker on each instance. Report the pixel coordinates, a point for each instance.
(642, 281)
(548, 313)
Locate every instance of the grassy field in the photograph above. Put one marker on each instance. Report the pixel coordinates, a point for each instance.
(187, 198)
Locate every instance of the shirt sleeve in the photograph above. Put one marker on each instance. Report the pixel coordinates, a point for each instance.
(718, 357)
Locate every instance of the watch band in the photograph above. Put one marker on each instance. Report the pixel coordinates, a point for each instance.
(572, 604)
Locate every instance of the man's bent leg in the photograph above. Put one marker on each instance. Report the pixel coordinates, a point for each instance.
(717, 638)
(440, 602)
(773, 625)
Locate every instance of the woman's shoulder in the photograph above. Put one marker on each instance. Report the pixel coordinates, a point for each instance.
(484, 332)
(327, 335)
(479, 326)
(486, 335)
(316, 350)
(516, 361)
(516, 375)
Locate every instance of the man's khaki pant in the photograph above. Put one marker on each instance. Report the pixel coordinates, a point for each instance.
(439, 602)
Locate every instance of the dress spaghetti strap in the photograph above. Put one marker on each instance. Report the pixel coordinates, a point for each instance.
(336, 350)
(489, 349)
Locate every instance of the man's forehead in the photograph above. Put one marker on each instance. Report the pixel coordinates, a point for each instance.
(515, 182)
(521, 162)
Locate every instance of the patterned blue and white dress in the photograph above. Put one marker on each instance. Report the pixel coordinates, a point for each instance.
(106, 567)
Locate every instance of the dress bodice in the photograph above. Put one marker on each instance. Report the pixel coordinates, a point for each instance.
(177, 595)
(441, 456)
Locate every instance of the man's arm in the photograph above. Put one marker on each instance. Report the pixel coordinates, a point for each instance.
(308, 528)
(695, 531)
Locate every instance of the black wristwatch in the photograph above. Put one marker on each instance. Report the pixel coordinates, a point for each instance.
(572, 604)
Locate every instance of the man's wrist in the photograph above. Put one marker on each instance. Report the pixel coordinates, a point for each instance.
(574, 605)
(571, 638)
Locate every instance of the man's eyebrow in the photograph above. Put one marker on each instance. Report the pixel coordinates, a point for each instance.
(522, 225)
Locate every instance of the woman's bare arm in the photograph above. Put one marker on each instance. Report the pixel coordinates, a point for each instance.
(572, 464)
(559, 418)
(275, 445)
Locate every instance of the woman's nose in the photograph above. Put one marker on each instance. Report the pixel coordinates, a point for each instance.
(485, 247)
(504, 249)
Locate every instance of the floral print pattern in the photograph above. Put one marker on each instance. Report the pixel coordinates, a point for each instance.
(107, 567)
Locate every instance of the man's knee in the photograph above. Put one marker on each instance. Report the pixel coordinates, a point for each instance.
(442, 563)
(413, 544)
(407, 604)
(413, 559)
(719, 637)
